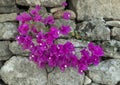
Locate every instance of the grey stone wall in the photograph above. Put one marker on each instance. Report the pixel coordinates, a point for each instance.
(91, 20)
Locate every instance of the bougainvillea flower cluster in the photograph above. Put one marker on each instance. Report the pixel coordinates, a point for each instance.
(43, 48)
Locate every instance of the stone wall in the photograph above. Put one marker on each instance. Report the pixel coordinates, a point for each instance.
(91, 20)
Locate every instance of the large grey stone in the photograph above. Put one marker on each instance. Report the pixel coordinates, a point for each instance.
(87, 9)
(8, 30)
(113, 23)
(99, 30)
(7, 2)
(8, 9)
(87, 80)
(69, 77)
(111, 48)
(116, 33)
(107, 72)
(8, 17)
(21, 71)
(47, 3)
(94, 29)
(4, 50)
(15, 48)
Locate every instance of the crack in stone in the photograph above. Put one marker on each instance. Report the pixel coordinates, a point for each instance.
(48, 72)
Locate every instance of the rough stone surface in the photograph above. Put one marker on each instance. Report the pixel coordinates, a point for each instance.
(4, 50)
(7, 2)
(60, 13)
(8, 30)
(53, 10)
(15, 48)
(96, 8)
(77, 52)
(93, 30)
(111, 48)
(46, 3)
(8, 17)
(107, 72)
(60, 22)
(116, 33)
(20, 71)
(113, 23)
(69, 77)
(8, 9)
(87, 81)
(94, 84)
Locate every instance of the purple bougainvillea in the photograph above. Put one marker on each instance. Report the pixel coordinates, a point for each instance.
(43, 49)
(66, 15)
(64, 4)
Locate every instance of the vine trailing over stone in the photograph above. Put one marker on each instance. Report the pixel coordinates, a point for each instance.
(43, 48)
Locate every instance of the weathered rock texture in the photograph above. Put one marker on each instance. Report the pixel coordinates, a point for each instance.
(16, 49)
(69, 77)
(96, 9)
(93, 30)
(7, 6)
(8, 17)
(8, 30)
(111, 48)
(107, 72)
(47, 3)
(4, 50)
(21, 71)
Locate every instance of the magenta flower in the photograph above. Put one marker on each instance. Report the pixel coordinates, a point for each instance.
(20, 39)
(42, 61)
(85, 53)
(37, 7)
(24, 17)
(68, 47)
(95, 49)
(92, 54)
(34, 30)
(66, 15)
(27, 43)
(64, 4)
(49, 20)
(34, 12)
(54, 32)
(95, 59)
(40, 37)
(37, 18)
(23, 29)
(33, 57)
(74, 60)
(65, 29)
